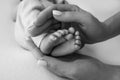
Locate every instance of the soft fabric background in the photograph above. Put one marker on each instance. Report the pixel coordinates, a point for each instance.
(17, 64)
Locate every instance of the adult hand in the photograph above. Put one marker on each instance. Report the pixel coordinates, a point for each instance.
(92, 29)
(37, 18)
(36, 15)
(74, 66)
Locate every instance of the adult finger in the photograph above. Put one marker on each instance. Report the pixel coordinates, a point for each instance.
(58, 67)
(34, 31)
(70, 13)
(66, 7)
(64, 66)
(66, 12)
(47, 13)
(42, 22)
(43, 16)
(66, 16)
(72, 68)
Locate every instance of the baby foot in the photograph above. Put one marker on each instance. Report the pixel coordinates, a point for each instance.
(72, 44)
(52, 40)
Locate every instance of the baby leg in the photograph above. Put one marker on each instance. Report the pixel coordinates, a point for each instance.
(52, 40)
(72, 44)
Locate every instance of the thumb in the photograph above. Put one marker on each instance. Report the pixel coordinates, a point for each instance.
(66, 16)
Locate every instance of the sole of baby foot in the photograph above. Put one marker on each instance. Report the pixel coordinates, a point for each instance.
(72, 44)
(52, 40)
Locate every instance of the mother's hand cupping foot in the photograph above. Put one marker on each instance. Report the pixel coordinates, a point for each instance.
(75, 66)
(92, 29)
(71, 67)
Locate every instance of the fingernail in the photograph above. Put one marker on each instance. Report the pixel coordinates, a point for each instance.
(57, 13)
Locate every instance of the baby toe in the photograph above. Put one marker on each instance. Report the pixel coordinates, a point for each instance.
(77, 42)
(53, 37)
(77, 37)
(77, 47)
(77, 33)
(69, 37)
(57, 34)
(62, 32)
(71, 30)
(66, 31)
